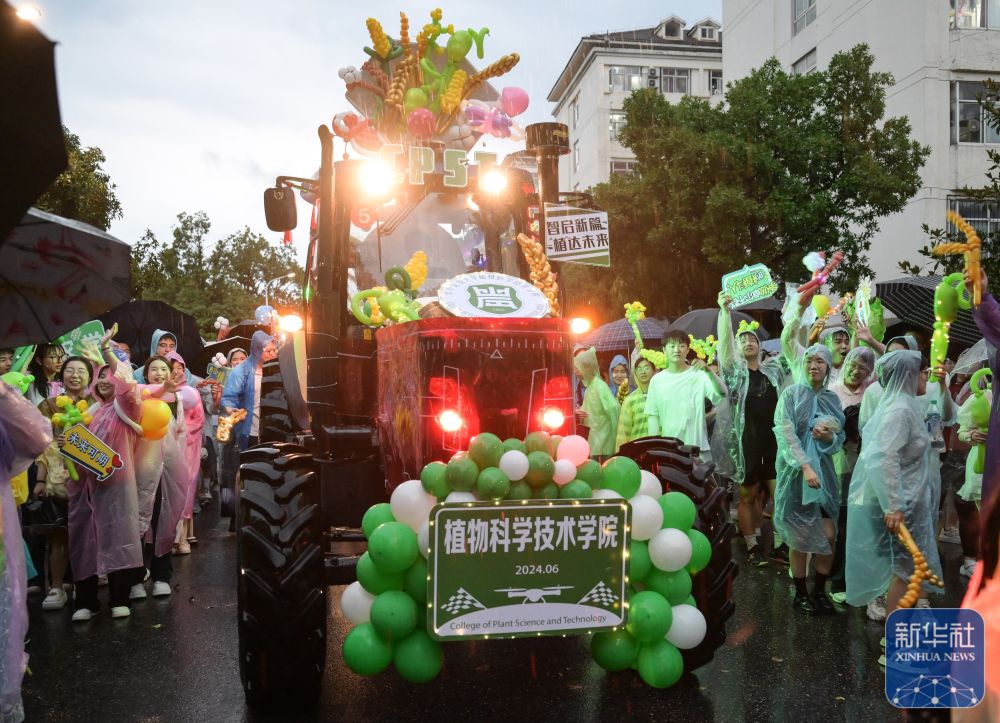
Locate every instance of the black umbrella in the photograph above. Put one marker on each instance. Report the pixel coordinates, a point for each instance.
(911, 298)
(202, 358)
(702, 322)
(32, 148)
(246, 328)
(137, 320)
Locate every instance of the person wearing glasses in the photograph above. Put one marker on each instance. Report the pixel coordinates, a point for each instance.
(45, 366)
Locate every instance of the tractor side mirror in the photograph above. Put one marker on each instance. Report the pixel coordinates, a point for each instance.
(279, 208)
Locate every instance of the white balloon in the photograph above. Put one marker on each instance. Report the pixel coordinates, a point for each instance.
(356, 602)
(411, 504)
(647, 517)
(565, 472)
(514, 464)
(650, 485)
(424, 538)
(460, 497)
(607, 495)
(670, 549)
(688, 627)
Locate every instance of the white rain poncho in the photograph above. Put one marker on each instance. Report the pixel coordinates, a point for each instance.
(799, 508)
(897, 471)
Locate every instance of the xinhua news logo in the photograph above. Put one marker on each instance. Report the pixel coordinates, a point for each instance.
(934, 658)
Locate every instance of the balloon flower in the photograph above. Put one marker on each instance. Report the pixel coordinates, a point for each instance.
(394, 301)
(704, 348)
(70, 415)
(633, 313)
(980, 415)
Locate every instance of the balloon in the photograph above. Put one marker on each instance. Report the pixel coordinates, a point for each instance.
(670, 549)
(356, 603)
(394, 615)
(820, 305)
(551, 491)
(701, 552)
(621, 474)
(424, 539)
(591, 473)
(606, 495)
(614, 650)
(554, 441)
(373, 579)
(514, 443)
(678, 510)
(415, 581)
(418, 657)
(365, 652)
(513, 101)
(639, 562)
(649, 616)
(537, 442)
(485, 450)
(375, 516)
(540, 469)
(519, 491)
(413, 99)
(433, 479)
(647, 517)
(514, 464)
(460, 497)
(564, 472)
(393, 547)
(574, 448)
(411, 504)
(577, 489)
(462, 472)
(660, 664)
(492, 484)
(154, 419)
(674, 586)
(691, 601)
(650, 485)
(688, 628)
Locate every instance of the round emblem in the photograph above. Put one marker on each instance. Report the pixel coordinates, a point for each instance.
(493, 295)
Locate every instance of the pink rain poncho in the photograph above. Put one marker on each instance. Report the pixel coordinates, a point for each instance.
(194, 423)
(24, 433)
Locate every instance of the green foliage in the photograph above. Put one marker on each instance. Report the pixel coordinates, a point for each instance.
(224, 280)
(787, 165)
(83, 192)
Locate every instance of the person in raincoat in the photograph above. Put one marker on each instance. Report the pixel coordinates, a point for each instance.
(809, 426)
(632, 422)
(600, 408)
(161, 343)
(194, 422)
(618, 375)
(987, 318)
(897, 479)
(838, 340)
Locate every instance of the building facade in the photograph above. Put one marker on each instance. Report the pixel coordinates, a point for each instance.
(605, 68)
(939, 53)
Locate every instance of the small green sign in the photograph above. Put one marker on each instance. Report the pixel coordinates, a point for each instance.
(73, 342)
(218, 374)
(494, 298)
(520, 569)
(749, 284)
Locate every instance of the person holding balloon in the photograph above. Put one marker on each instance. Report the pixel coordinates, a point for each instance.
(194, 422)
(987, 318)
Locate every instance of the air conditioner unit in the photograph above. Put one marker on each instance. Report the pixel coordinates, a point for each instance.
(654, 73)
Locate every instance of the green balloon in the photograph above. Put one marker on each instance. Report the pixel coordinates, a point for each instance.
(639, 562)
(434, 478)
(678, 511)
(393, 547)
(394, 615)
(462, 472)
(548, 492)
(674, 586)
(701, 552)
(415, 581)
(492, 484)
(660, 664)
(514, 443)
(591, 473)
(414, 98)
(553, 445)
(576, 490)
(614, 650)
(537, 442)
(540, 469)
(485, 450)
(365, 652)
(691, 601)
(622, 475)
(459, 45)
(373, 579)
(375, 516)
(649, 616)
(418, 657)
(519, 491)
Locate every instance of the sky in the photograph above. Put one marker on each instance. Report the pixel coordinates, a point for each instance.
(198, 106)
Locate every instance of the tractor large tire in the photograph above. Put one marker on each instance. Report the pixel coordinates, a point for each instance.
(673, 463)
(281, 593)
(276, 423)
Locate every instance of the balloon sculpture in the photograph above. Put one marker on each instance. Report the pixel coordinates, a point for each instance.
(816, 262)
(980, 414)
(949, 297)
(394, 302)
(70, 415)
(705, 348)
(541, 271)
(18, 380)
(970, 249)
(226, 423)
(921, 570)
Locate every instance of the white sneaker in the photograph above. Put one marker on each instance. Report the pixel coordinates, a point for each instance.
(120, 611)
(968, 569)
(138, 592)
(923, 602)
(82, 615)
(161, 589)
(876, 609)
(950, 535)
(55, 600)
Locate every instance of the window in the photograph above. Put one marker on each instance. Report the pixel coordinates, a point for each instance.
(673, 29)
(974, 14)
(983, 215)
(805, 64)
(576, 156)
(574, 112)
(715, 86)
(616, 123)
(625, 77)
(803, 13)
(707, 33)
(969, 122)
(623, 166)
(675, 80)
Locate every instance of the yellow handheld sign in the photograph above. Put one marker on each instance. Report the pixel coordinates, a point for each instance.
(85, 449)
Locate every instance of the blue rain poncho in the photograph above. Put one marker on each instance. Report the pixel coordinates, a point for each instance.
(897, 471)
(799, 508)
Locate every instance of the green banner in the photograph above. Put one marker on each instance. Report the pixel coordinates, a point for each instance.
(520, 569)
(749, 284)
(72, 343)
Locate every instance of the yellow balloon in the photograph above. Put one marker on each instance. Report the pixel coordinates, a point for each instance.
(820, 305)
(155, 418)
(82, 405)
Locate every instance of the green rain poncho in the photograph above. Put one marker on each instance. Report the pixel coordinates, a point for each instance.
(599, 404)
(799, 508)
(632, 421)
(897, 471)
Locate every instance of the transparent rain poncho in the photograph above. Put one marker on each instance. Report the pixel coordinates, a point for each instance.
(897, 471)
(599, 404)
(799, 508)
(850, 401)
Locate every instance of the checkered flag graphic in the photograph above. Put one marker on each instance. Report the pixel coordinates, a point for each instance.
(601, 594)
(460, 601)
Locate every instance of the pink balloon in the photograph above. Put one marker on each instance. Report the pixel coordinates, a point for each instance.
(514, 101)
(421, 123)
(565, 472)
(574, 448)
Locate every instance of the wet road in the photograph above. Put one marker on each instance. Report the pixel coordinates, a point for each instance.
(176, 660)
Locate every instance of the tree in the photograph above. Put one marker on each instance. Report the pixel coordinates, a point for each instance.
(786, 165)
(83, 191)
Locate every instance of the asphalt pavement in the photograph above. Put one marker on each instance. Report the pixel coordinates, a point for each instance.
(175, 659)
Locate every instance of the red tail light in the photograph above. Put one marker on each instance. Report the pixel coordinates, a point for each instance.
(450, 421)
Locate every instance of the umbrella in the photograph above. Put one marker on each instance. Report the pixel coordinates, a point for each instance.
(31, 134)
(702, 322)
(137, 320)
(56, 274)
(246, 328)
(618, 335)
(912, 299)
(972, 358)
(202, 358)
